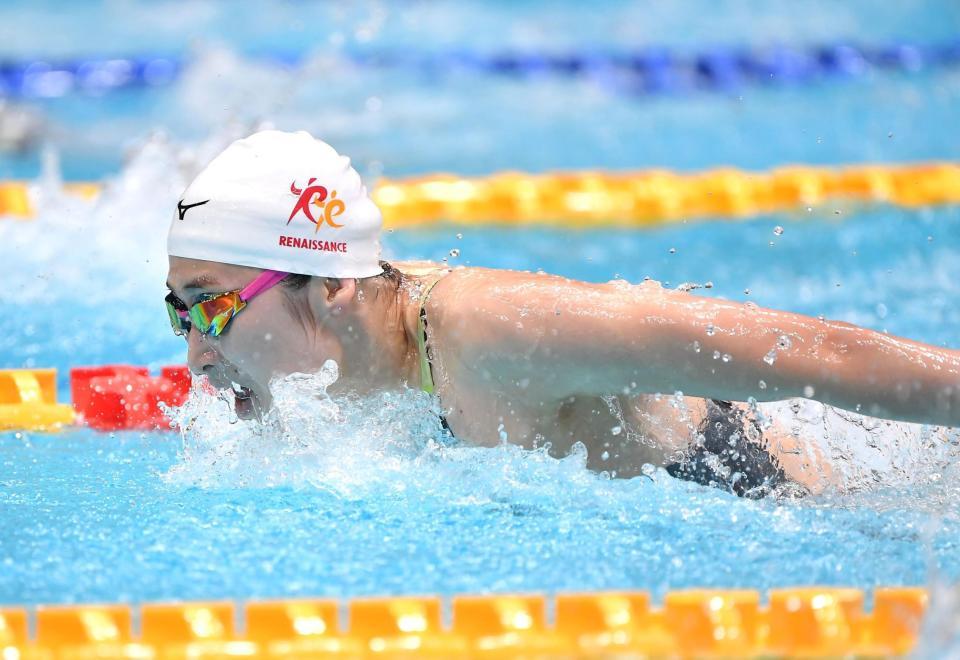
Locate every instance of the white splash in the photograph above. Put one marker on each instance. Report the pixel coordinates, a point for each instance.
(307, 439)
(108, 248)
(389, 444)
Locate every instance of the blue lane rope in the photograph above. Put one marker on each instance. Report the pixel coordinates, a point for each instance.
(642, 71)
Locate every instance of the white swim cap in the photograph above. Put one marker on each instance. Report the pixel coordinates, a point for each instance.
(280, 201)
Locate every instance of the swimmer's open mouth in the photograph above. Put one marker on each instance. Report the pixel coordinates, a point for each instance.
(244, 403)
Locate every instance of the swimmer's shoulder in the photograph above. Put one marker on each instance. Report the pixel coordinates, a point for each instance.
(464, 287)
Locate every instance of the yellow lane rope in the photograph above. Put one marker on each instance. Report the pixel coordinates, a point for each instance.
(640, 198)
(28, 401)
(803, 622)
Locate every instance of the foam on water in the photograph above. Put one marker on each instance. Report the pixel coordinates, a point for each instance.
(307, 439)
(355, 446)
(108, 248)
(383, 445)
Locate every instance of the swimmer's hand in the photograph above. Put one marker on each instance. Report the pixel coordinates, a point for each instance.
(552, 337)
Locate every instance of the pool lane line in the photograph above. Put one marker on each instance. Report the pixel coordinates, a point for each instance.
(803, 621)
(104, 398)
(645, 198)
(28, 402)
(642, 71)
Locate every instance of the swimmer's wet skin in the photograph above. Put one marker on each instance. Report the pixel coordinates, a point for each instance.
(531, 357)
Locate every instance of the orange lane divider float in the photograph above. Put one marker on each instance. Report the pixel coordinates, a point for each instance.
(805, 622)
(629, 199)
(647, 198)
(28, 400)
(105, 398)
(15, 196)
(117, 397)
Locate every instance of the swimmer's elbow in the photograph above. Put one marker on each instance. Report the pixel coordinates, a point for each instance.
(844, 353)
(840, 342)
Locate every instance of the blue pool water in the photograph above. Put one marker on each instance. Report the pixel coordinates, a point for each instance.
(364, 501)
(404, 120)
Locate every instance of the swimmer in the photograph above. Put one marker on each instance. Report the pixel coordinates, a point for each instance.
(274, 268)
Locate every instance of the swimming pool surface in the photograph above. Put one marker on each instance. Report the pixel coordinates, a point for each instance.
(355, 497)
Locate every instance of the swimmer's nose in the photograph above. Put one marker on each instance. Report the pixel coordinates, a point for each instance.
(200, 353)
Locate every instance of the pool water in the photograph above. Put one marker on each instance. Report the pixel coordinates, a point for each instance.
(346, 497)
(407, 120)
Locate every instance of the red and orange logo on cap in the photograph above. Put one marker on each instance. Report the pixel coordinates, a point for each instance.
(328, 205)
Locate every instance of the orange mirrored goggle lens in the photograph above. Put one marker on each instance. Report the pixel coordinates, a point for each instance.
(210, 316)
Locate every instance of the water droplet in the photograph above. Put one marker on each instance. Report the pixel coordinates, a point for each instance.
(778, 230)
(784, 342)
(605, 455)
(771, 356)
(716, 355)
(696, 346)
(616, 430)
(808, 391)
(672, 250)
(837, 211)
(746, 292)
(454, 252)
(727, 357)
(762, 384)
(929, 239)
(809, 209)
(710, 330)
(708, 285)
(881, 310)
(459, 235)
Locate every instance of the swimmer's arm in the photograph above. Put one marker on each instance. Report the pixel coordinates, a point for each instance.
(573, 338)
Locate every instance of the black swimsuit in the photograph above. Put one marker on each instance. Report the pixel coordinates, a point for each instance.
(728, 459)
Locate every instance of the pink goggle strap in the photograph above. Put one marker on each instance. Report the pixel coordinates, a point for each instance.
(264, 281)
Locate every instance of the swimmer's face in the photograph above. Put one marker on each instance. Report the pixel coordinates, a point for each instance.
(266, 339)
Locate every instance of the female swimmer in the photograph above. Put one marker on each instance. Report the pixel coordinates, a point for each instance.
(275, 268)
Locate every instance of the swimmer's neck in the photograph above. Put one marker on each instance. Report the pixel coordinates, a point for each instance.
(378, 339)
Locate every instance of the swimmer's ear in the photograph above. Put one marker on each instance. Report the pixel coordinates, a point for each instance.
(334, 294)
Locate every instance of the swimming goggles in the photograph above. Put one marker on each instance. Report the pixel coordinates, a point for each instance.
(212, 312)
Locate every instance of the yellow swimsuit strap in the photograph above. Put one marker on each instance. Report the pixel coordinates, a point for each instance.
(426, 369)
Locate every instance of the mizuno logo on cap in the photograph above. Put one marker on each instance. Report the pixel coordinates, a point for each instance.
(183, 208)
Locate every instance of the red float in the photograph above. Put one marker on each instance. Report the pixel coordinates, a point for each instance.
(119, 397)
